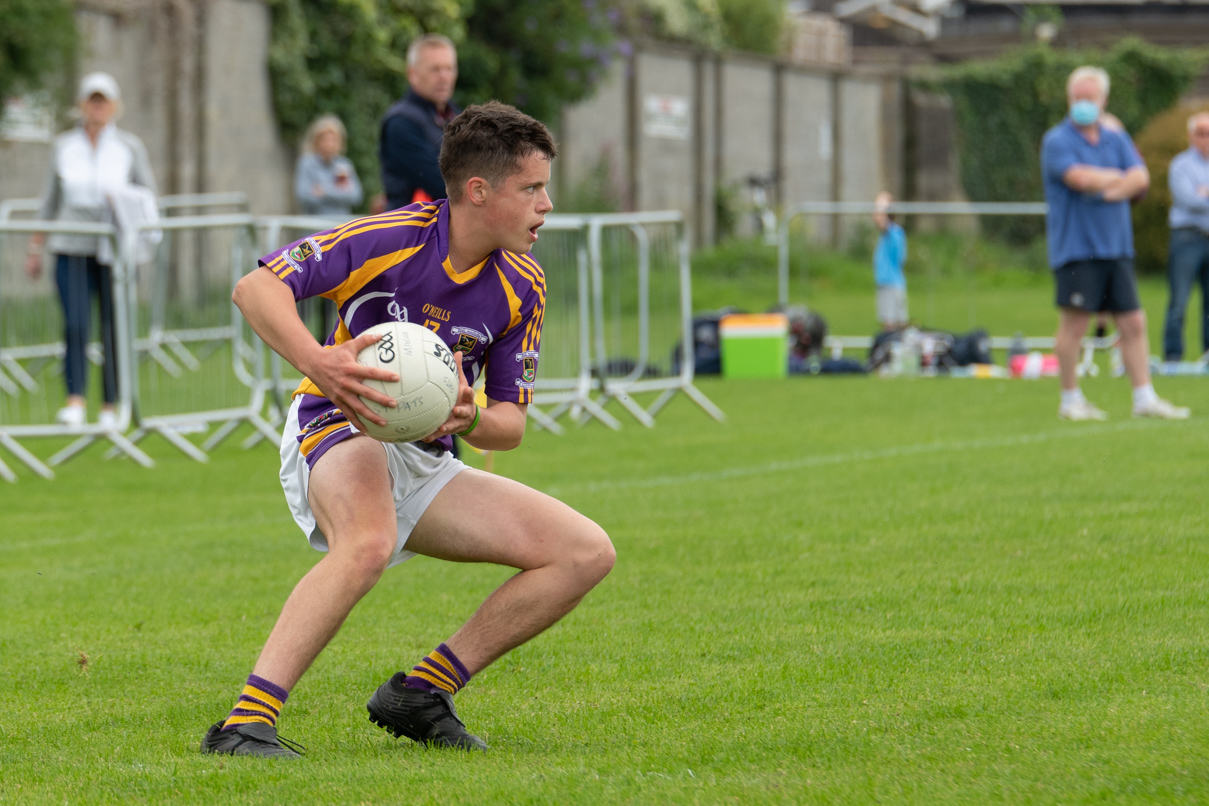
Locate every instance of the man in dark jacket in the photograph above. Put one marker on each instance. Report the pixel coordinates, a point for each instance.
(412, 129)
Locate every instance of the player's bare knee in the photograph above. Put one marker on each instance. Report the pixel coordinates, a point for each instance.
(368, 554)
(592, 556)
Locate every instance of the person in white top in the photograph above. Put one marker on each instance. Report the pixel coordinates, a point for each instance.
(89, 163)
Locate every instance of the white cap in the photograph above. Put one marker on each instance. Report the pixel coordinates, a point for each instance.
(99, 84)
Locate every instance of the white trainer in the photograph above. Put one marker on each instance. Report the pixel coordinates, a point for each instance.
(1081, 411)
(72, 416)
(108, 420)
(1162, 410)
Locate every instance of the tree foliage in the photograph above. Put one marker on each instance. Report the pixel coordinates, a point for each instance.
(1004, 106)
(540, 54)
(348, 58)
(37, 39)
(756, 26)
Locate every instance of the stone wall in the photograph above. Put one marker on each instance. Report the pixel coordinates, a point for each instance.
(195, 88)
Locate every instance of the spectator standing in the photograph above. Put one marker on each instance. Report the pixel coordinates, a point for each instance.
(1188, 252)
(889, 257)
(89, 164)
(413, 128)
(1090, 173)
(325, 181)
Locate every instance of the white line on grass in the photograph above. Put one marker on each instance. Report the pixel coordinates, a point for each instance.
(852, 456)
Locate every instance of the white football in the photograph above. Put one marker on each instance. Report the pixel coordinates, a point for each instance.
(428, 381)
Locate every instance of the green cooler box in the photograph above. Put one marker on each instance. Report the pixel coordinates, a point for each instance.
(754, 345)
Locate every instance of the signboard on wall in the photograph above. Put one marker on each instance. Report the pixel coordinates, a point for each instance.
(666, 116)
(27, 119)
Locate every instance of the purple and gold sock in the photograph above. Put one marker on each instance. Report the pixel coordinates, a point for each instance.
(261, 701)
(440, 670)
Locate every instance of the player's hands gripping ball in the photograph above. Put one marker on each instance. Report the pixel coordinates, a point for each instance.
(464, 410)
(429, 375)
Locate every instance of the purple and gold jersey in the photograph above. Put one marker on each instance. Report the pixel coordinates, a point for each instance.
(395, 267)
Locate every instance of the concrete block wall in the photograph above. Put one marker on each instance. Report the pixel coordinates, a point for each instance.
(826, 134)
(809, 141)
(663, 177)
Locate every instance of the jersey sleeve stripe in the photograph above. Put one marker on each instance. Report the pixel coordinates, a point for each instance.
(539, 288)
(527, 342)
(331, 236)
(366, 272)
(533, 335)
(514, 302)
(537, 270)
(425, 222)
(525, 271)
(325, 239)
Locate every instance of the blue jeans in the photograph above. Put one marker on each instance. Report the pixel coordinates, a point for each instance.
(1187, 263)
(80, 278)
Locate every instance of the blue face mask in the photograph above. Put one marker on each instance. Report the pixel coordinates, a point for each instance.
(1084, 113)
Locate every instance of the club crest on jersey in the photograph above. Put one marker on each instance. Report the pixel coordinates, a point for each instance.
(528, 361)
(305, 250)
(322, 420)
(468, 338)
(293, 264)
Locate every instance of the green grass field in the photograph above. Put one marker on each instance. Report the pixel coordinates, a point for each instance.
(855, 590)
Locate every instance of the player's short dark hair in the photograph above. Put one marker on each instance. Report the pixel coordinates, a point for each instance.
(489, 141)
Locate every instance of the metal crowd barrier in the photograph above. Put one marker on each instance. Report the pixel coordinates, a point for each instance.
(196, 203)
(182, 300)
(32, 351)
(605, 309)
(619, 286)
(642, 307)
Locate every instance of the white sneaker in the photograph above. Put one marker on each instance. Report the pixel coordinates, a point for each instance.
(1162, 409)
(108, 420)
(71, 416)
(1081, 411)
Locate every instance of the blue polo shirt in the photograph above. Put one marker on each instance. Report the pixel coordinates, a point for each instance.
(1081, 226)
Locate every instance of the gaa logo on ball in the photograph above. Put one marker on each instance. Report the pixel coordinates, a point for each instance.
(428, 381)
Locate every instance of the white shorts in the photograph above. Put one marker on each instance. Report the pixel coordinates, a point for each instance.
(416, 478)
(891, 305)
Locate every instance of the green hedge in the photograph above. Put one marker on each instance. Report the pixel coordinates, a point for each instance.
(1159, 142)
(37, 41)
(1004, 106)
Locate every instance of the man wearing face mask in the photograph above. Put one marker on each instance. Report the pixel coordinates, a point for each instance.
(1091, 172)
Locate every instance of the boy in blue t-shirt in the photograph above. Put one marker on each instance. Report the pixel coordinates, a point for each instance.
(888, 260)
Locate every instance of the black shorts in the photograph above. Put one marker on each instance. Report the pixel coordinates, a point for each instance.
(1097, 285)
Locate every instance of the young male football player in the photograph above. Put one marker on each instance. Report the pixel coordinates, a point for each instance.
(461, 268)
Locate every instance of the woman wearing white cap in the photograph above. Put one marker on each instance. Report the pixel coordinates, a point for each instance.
(89, 162)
